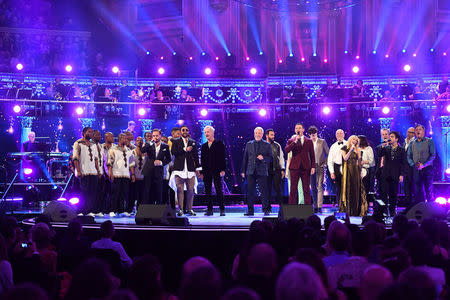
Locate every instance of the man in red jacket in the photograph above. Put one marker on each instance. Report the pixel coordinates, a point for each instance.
(302, 163)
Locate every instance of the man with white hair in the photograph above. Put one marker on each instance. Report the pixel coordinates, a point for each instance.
(255, 165)
(335, 162)
(30, 146)
(213, 168)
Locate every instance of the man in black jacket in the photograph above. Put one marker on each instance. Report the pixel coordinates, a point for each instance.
(379, 161)
(395, 163)
(185, 169)
(158, 155)
(213, 168)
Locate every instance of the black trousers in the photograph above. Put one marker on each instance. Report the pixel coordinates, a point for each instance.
(274, 182)
(208, 180)
(390, 193)
(120, 190)
(423, 181)
(165, 193)
(137, 192)
(338, 182)
(251, 192)
(408, 185)
(106, 204)
(88, 188)
(154, 187)
(102, 194)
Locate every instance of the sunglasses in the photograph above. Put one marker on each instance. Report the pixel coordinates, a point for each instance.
(184, 130)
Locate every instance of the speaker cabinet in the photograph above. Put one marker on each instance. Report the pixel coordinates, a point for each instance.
(288, 211)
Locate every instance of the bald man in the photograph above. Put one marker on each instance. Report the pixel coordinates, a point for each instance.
(335, 162)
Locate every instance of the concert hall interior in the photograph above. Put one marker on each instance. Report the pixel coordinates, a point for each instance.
(217, 149)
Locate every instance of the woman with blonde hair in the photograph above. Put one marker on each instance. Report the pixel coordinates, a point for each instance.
(353, 196)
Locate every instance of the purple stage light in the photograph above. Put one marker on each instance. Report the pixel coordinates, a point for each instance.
(280, 61)
(141, 111)
(19, 67)
(387, 56)
(191, 58)
(17, 109)
(355, 69)
(445, 53)
(253, 71)
(415, 54)
(61, 199)
(115, 69)
(79, 110)
(10, 130)
(386, 110)
(441, 200)
(325, 60)
(247, 58)
(357, 57)
(303, 59)
(69, 68)
(27, 171)
(161, 71)
(326, 110)
(407, 68)
(74, 200)
(180, 122)
(262, 112)
(207, 71)
(162, 58)
(217, 58)
(204, 112)
(448, 108)
(447, 171)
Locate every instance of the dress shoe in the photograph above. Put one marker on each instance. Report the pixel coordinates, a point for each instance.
(209, 213)
(222, 213)
(180, 213)
(249, 214)
(192, 213)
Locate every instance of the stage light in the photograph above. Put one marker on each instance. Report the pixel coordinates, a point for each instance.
(355, 69)
(432, 50)
(369, 120)
(280, 61)
(374, 52)
(204, 112)
(261, 53)
(357, 57)
(217, 58)
(229, 54)
(448, 108)
(161, 71)
(74, 200)
(17, 109)
(207, 71)
(68, 68)
(262, 112)
(191, 58)
(314, 54)
(445, 53)
(415, 54)
(60, 127)
(61, 199)
(403, 50)
(247, 58)
(387, 56)
(174, 53)
(79, 110)
(386, 110)
(441, 200)
(447, 171)
(141, 111)
(326, 110)
(10, 130)
(407, 68)
(19, 67)
(115, 69)
(161, 58)
(180, 122)
(203, 53)
(325, 60)
(346, 51)
(291, 54)
(253, 71)
(148, 52)
(303, 59)
(27, 171)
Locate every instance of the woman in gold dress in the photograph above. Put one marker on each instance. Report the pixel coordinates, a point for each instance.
(353, 197)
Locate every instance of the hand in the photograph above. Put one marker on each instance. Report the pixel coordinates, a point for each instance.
(222, 173)
(189, 148)
(297, 138)
(157, 162)
(283, 174)
(111, 177)
(313, 170)
(352, 148)
(133, 178)
(333, 176)
(243, 175)
(385, 144)
(260, 157)
(401, 178)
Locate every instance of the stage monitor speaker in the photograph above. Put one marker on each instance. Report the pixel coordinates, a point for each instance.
(427, 210)
(59, 211)
(158, 214)
(288, 211)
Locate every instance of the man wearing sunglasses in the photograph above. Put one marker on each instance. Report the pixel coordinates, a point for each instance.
(185, 167)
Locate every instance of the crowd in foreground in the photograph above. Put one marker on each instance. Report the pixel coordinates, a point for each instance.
(288, 260)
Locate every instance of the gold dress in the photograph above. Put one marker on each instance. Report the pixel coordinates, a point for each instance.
(353, 195)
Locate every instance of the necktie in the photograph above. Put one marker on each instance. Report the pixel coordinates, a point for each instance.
(340, 143)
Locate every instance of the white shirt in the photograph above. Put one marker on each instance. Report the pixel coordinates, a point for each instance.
(106, 243)
(335, 155)
(86, 156)
(101, 157)
(185, 174)
(157, 147)
(121, 164)
(139, 165)
(407, 144)
(368, 155)
(105, 157)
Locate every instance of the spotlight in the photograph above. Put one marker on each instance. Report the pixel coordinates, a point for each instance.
(207, 71)
(19, 67)
(17, 109)
(203, 112)
(203, 53)
(386, 110)
(261, 53)
(448, 108)
(403, 50)
(374, 52)
(217, 58)
(445, 53)
(141, 111)
(10, 130)
(326, 110)
(74, 200)
(191, 58)
(447, 171)
(291, 54)
(280, 61)
(247, 58)
(355, 69)
(357, 57)
(228, 54)
(174, 53)
(407, 68)
(147, 53)
(161, 71)
(69, 68)
(79, 110)
(115, 69)
(262, 112)
(415, 54)
(441, 200)
(387, 56)
(61, 199)
(253, 71)
(325, 60)
(161, 58)
(303, 59)
(314, 54)
(60, 127)
(346, 51)
(180, 122)
(432, 50)
(27, 171)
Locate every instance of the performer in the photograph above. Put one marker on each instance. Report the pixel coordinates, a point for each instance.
(302, 164)
(109, 143)
(121, 169)
(30, 145)
(408, 180)
(87, 170)
(394, 169)
(380, 163)
(137, 190)
(184, 169)
(255, 165)
(97, 207)
(335, 162)
(131, 127)
(175, 134)
(421, 155)
(158, 155)
(276, 168)
(213, 169)
(320, 151)
(353, 197)
(130, 139)
(147, 137)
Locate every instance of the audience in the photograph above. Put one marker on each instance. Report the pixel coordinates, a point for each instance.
(338, 241)
(6, 276)
(374, 279)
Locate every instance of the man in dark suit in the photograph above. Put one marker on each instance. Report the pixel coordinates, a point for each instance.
(158, 155)
(213, 169)
(394, 169)
(380, 163)
(302, 164)
(255, 165)
(185, 169)
(30, 145)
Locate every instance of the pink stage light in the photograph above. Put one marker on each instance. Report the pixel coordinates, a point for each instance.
(60, 127)
(17, 109)
(247, 58)
(19, 67)
(10, 130)
(69, 68)
(208, 71)
(325, 60)
(280, 61)
(74, 200)
(326, 110)
(217, 58)
(79, 110)
(162, 57)
(386, 110)
(191, 58)
(387, 56)
(262, 112)
(161, 71)
(204, 112)
(303, 59)
(357, 57)
(414, 55)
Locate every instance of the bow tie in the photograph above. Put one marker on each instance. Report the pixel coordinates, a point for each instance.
(340, 143)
